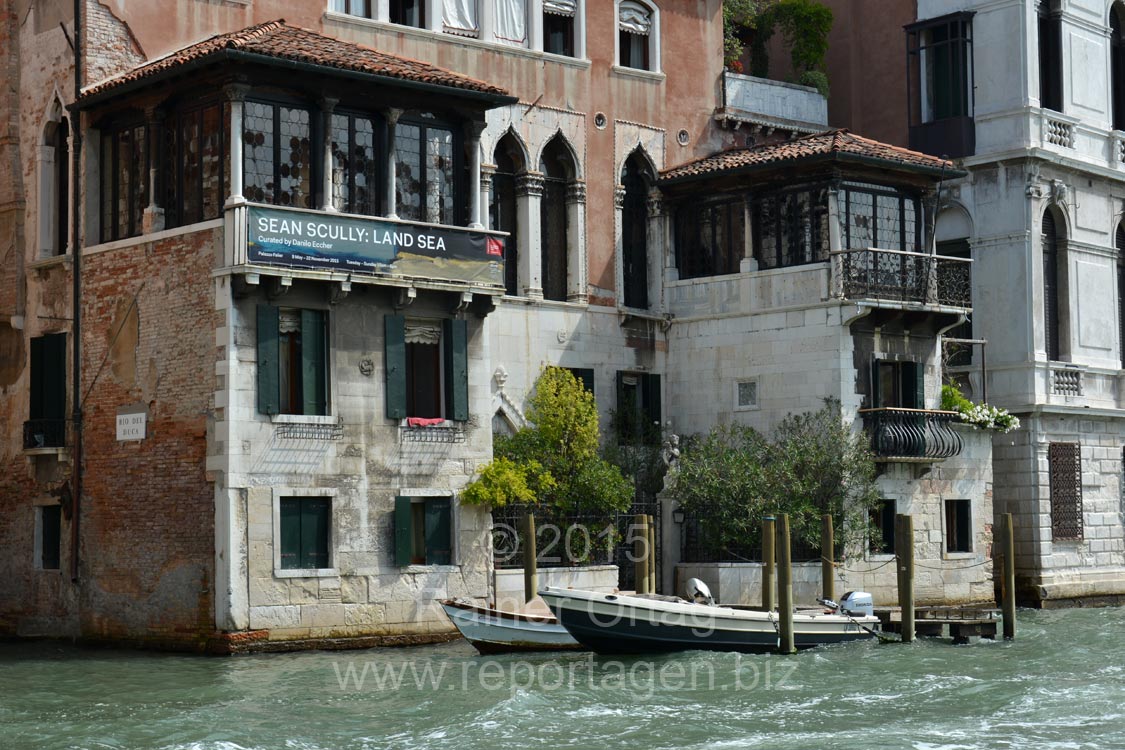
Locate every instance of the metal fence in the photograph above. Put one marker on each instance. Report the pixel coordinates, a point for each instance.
(698, 546)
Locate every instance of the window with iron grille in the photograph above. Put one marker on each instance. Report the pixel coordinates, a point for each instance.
(1065, 467)
(196, 164)
(880, 217)
(790, 227)
(124, 181)
(710, 238)
(940, 59)
(278, 154)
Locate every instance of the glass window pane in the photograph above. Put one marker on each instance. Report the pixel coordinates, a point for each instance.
(191, 175)
(860, 220)
(889, 220)
(340, 168)
(408, 171)
(257, 136)
(211, 143)
(439, 175)
(295, 165)
(365, 167)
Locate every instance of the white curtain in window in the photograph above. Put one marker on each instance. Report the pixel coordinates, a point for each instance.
(511, 21)
(634, 17)
(460, 17)
(561, 7)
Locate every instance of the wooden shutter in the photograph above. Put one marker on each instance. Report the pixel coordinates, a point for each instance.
(402, 529)
(455, 334)
(290, 532)
(394, 361)
(876, 386)
(48, 377)
(269, 392)
(912, 385)
(650, 395)
(314, 364)
(439, 532)
(316, 513)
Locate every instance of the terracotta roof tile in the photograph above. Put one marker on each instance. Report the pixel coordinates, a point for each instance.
(829, 144)
(278, 40)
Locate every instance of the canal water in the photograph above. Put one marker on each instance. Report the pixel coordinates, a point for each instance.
(1060, 684)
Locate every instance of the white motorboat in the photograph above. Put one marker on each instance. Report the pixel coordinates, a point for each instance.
(494, 631)
(622, 624)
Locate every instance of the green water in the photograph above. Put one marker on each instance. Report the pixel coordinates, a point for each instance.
(1060, 684)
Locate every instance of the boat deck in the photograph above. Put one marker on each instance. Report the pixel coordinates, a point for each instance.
(962, 624)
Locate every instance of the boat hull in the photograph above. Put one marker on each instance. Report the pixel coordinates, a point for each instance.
(613, 624)
(493, 631)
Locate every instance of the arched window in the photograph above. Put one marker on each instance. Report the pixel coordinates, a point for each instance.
(1119, 243)
(1050, 56)
(1052, 258)
(635, 178)
(638, 36)
(508, 159)
(558, 170)
(56, 195)
(1117, 64)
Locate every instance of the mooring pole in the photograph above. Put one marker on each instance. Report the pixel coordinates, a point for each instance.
(1008, 582)
(827, 558)
(769, 559)
(650, 523)
(784, 587)
(530, 566)
(904, 541)
(640, 553)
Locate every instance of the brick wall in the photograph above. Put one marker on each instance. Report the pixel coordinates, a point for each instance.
(148, 510)
(110, 46)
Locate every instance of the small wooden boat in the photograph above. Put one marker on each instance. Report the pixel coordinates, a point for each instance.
(493, 631)
(620, 624)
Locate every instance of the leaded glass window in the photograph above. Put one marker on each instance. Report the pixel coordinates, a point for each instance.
(355, 164)
(426, 168)
(196, 164)
(277, 155)
(790, 227)
(124, 182)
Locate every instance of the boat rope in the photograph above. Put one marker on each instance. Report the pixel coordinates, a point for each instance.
(883, 637)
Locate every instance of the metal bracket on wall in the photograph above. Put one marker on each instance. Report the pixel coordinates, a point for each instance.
(405, 297)
(278, 286)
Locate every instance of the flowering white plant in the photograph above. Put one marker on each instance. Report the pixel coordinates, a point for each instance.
(980, 416)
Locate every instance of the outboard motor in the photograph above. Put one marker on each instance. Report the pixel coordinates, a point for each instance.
(698, 592)
(857, 604)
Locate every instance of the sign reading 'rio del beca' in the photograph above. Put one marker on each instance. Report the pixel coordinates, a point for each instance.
(352, 244)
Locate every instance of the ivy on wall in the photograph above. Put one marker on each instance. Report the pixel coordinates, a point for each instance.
(803, 24)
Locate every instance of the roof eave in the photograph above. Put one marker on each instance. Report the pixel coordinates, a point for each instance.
(948, 171)
(88, 102)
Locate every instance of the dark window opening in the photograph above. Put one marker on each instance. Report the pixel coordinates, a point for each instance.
(638, 416)
(60, 144)
(356, 164)
(1119, 243)
(1064, 461)
(361, 8)
(124, 182)
(898, 385)
(958, 526)
(196, 168)
(305, 534)
(710, 238)
(881, 218)
(634, 50)
(558, 34)
(940, 60)
(46, 425)
(958, 355)
(1050, 57)
(502, 212)
(292, 361)
(50, 535)
(583, 375)
(423, 531)
(277, 142)
(427, 165)
(1051, 280)
(408, 13)
(557, 168)
(882, 541)
(790, 228)
(634, 232)
(1117, 64)
(423, 379)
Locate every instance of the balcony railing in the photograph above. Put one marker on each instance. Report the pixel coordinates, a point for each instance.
(899, 276)
(44, 433)
(912, 433)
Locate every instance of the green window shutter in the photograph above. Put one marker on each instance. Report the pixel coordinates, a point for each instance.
(402, 530)
(585, 375)
(48, 377)
(315, 517)
(456, 336)
(314, 364)
(38, 363)
(651, 397)
(439, 532)
(625, 418)
(269, 390)
(394, 361)
(876, 389)
(290, 532)
(918, 387)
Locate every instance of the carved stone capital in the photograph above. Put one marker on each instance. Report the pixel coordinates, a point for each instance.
(391, 115)
(474, 128)
(619, 197)
(576, 192)
(236, 92)
(530, 184)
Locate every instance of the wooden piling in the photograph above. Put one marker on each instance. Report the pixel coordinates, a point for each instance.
(1008, 582)
(640, 553)
(651, 524)
(784, 588)
(530, 564)
(827, 557)
(769, 560)
(904, 549)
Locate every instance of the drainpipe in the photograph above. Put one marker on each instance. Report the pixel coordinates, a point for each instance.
(76, 327)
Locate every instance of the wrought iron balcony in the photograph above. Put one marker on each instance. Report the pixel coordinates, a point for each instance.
(44, 433)
(912, 434)
(900, 276)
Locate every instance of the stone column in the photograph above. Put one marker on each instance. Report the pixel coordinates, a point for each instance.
(236, 94)
(390, 209)
(473, 129)
(327, 107)
(619, 244)
(835, 243)
(486, 21)
(657, 247)
(580, 30)
(486, 172)
(535, 26)
(748, 263)
(529, 197)
(576, 272)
